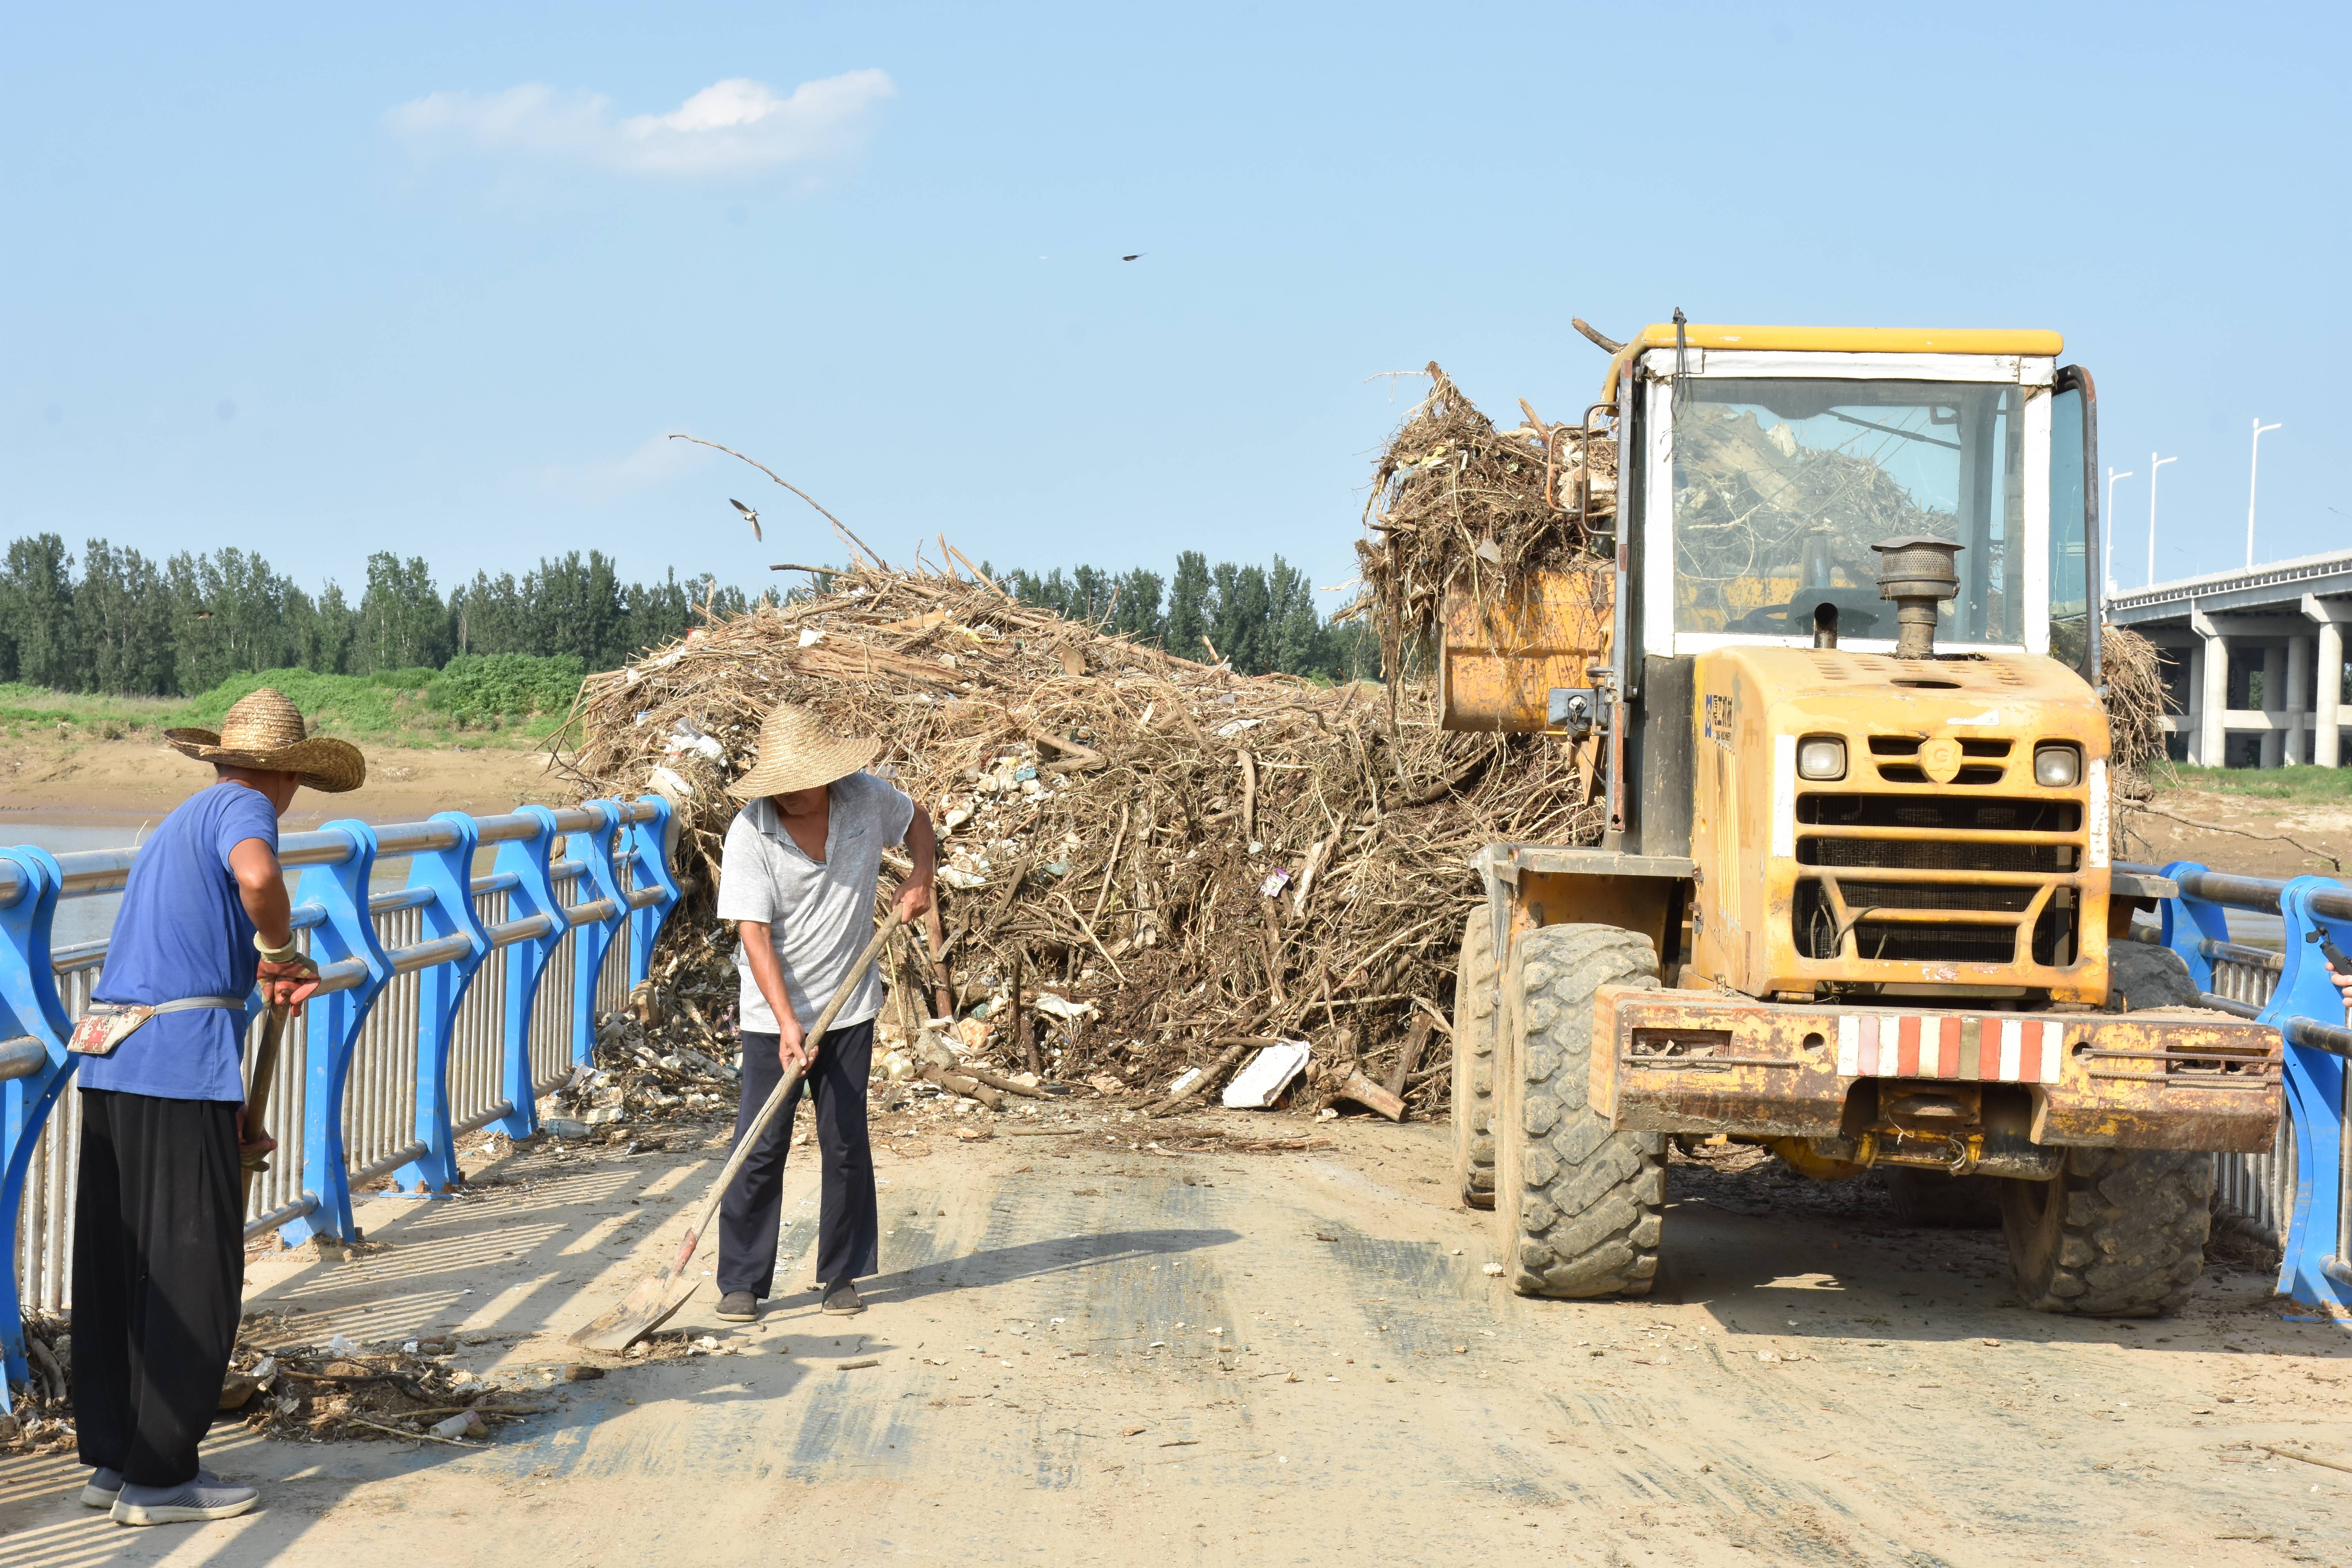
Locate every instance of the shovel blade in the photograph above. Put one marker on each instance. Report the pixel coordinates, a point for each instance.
(654, 1300)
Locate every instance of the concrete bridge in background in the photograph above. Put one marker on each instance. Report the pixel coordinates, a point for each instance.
(2283, 622)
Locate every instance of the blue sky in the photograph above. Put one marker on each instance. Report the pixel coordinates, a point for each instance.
(319, 281)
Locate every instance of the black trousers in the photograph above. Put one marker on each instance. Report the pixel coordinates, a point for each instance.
(849, 1225)
(158, 1276)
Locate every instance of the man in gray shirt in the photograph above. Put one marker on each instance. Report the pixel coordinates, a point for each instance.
(798, 874)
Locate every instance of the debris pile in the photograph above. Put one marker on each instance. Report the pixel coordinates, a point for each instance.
(2132, 675)
(42, 1421)
(1145, 861)
(338, 1391)
(1456, 503)
(662, 1061)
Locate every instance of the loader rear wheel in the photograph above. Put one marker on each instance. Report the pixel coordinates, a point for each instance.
(1578, 1204)
(2119, 1233)
(1475, 997)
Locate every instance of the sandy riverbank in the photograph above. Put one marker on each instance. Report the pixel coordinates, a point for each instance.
(137, 777)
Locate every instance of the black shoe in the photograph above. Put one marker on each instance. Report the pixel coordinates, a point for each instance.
(841, 1297)
(738, 1307)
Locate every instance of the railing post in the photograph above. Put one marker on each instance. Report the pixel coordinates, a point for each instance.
(599, 880)
(2314, 1091)
(647, 852)
(28, 1008)
(441, 990)
(532, 894)
(344, 932)
(2189, 920)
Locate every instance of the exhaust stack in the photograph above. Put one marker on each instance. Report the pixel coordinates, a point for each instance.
(1918, 573)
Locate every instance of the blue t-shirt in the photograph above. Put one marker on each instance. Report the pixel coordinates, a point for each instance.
(183, 932)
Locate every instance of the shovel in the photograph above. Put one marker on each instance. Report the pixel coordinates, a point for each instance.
(254, 1161)
(657, 1297)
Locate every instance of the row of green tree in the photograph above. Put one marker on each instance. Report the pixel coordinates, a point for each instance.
(1261, 618)
(116, 621)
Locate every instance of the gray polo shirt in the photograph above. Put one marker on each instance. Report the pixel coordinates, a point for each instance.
(820, 914)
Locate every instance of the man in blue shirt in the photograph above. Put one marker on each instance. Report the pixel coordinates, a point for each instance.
(159, 1240)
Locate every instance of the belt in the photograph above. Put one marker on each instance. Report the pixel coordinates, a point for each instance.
(184, 1005)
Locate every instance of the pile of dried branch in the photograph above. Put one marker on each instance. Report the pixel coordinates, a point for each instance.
(1144, 859)
(2136, 702)
(1457, 503)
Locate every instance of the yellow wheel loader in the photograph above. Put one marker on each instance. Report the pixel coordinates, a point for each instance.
(1836, 670)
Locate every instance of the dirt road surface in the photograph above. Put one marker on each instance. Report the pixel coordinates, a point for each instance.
(1087, 1349)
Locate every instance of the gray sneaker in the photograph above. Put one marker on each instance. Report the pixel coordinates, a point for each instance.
(841, 1297)
(207, 1496)
(99, 1492)
(738, 1307)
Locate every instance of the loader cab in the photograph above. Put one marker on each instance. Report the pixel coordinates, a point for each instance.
(1770, 460)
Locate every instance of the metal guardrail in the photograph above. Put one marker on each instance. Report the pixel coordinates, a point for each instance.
(2300, 1195)
(451, 1003)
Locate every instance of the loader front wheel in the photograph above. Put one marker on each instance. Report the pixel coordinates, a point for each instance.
(2118, 1233)
(1475, 998)
(1577, 1203)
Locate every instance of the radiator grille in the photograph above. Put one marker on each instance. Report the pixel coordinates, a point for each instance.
(1884, 867)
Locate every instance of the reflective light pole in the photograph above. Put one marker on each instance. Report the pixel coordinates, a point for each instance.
(2154, 463)
(2108, 570)
(2253, 468)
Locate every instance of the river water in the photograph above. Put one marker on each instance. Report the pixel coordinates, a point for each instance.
(87, 918)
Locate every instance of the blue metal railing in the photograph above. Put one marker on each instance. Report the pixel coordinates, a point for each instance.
(2301, 1194)
(450, 1002)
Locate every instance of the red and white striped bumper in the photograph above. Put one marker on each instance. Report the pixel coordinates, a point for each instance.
(2011, 1049)
(1692, 1061)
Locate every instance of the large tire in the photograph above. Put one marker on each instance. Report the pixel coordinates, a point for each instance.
(1578, 1206)
(2120, 1232)
(1475, 998)
(1934, 1201)
(2141, 976)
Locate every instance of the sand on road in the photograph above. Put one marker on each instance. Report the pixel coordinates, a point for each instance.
(1090, 1349)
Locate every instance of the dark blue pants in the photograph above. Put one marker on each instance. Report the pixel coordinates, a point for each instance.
(849, 1225)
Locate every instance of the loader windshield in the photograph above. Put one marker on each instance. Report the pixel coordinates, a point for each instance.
(1782, 485)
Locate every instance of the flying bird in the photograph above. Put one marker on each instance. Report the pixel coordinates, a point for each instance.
(1137, 256)
(749, 516)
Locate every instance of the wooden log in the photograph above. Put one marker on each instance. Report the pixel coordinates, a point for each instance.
(995, 1080)
(1028, 1042)
(1416, 1040)
(969, 1087)
(1371, 1096)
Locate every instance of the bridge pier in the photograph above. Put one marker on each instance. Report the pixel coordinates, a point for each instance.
(2289, 614)
(2327, 735)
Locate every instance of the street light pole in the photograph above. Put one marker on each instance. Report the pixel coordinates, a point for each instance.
(2154, 463)
(2108, 529)
(2254, 470)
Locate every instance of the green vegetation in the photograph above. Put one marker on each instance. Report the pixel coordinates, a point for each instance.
(2317, 785)
(497, 698)
(1263, 619)
(115, 621)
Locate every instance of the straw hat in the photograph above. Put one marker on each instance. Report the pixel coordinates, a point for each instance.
(798, 752)
(264, 730)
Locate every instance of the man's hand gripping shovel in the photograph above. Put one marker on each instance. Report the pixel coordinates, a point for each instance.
(657, 1297)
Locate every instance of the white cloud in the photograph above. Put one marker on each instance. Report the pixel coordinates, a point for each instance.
(734, 127)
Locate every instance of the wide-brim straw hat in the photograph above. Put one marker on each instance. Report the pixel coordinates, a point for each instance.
(798, 751)
(263, 729)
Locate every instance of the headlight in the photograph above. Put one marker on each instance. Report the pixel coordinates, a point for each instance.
(1821, 757)
(2057, 767)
